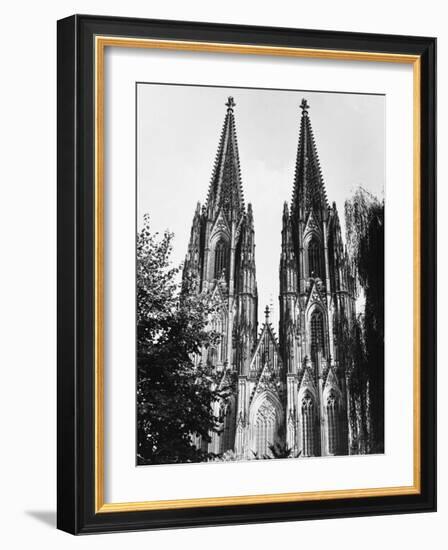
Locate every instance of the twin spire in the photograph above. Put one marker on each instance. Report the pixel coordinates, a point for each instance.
(309, 190)
(226, 189)
(225, 192)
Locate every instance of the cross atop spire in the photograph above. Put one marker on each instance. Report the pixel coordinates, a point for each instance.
(266, 314)
(304, 106)
(230, 103)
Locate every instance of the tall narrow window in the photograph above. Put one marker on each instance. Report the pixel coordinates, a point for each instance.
(265, 428)
(221, 259)
(314, 256)
(216, 350)
(317, 334)
(308, 426)
(226, 441)
(332, 422)
(212, 355)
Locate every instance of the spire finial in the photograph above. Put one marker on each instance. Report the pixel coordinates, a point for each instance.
(266, 314)
(230, 103)
(304, 106)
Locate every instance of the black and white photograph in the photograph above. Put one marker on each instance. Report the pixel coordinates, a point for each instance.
(259, 274)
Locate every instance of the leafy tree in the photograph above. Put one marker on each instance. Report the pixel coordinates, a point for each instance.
(359, 424)
(364, 216)
(175, 391)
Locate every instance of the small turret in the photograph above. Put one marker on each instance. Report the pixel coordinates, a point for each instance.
(192, 262)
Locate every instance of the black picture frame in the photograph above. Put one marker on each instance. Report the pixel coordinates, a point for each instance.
(76, 286)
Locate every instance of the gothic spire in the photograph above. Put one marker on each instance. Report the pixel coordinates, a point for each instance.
(309, 190)
(225, 189)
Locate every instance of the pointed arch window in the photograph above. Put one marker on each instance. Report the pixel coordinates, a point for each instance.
(317, 334)
(216, 351)
(308, 426)
(227, 433)
(221, 258)
(221, 440)
(265, 428)
(332, 423)
(314, 258)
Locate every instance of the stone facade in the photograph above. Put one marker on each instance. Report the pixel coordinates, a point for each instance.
(290, 390)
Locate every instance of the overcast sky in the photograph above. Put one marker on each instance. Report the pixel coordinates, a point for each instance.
(178, 129)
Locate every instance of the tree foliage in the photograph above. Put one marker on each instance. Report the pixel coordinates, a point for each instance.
(364, 216)
(175, 391)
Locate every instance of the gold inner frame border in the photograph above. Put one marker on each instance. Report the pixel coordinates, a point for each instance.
(100, 44)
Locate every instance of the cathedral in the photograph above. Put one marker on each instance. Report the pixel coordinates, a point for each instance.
(291, 387)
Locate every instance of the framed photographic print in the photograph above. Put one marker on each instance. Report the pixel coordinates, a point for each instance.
(246, 274)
